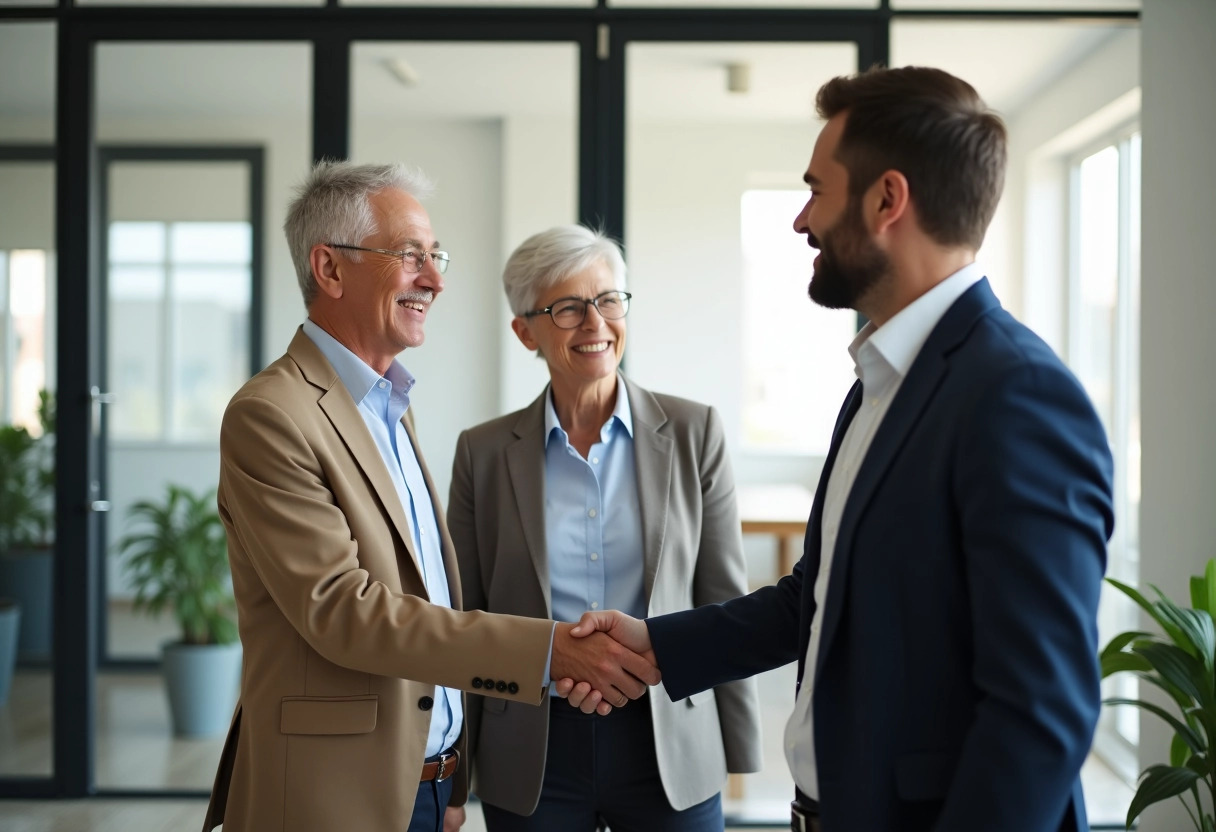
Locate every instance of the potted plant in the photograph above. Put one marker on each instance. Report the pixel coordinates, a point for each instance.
(177, 560)
(27, 525)
(1182, 662)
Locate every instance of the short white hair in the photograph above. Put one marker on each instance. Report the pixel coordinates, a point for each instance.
(332, 206)
(548, 258)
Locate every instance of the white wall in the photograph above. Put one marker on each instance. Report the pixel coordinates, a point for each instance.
(1026, 249)
(1178, 398)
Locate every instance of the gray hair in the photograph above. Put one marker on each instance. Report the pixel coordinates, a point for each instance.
(331, 206)
(548, 258)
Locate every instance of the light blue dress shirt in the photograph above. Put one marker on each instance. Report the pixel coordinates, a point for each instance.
(593, 518)
(382, 403)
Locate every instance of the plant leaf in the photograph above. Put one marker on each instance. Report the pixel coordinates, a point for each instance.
(1131, 592)
(1159, 783)
(1180, 751)
(1181, 729)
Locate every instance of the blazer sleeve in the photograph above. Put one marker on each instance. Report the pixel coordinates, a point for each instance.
(721, 574)
(1033, 485)
(298, 541)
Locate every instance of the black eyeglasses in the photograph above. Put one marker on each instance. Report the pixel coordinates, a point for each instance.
(411, 259)
(568, 313)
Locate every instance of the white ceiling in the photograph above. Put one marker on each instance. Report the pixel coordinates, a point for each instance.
(1008, 62)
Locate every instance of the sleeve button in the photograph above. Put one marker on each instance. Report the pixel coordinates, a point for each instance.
(501, 687)
(425, 703)
(512, 688)
(477, 683)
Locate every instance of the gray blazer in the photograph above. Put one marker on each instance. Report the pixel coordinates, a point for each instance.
(693, 555)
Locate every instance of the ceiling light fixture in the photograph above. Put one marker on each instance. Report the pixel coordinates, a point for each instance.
(401, 70)
(738, 77)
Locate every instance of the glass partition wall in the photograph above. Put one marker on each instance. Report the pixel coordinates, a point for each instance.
(28, 290)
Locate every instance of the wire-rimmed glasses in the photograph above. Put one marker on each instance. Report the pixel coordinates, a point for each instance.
(412, 260)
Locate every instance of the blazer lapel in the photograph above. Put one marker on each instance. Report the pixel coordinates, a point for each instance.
(450, 565)
(653, 458)
(924, 377)
(526, 468)
(343, 414)
(814, 527)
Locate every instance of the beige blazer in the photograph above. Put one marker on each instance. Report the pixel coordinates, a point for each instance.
(342, 651)
(692, 554)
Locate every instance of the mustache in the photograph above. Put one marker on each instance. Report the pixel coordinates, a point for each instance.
(813, 240)
(420, 295)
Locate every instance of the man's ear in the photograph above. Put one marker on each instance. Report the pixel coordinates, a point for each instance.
(326, 271)
(519, 326)
(888, 199)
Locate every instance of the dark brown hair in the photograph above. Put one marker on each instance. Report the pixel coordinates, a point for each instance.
(935, 130)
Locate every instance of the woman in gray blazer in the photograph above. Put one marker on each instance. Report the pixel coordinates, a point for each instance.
(598, 495)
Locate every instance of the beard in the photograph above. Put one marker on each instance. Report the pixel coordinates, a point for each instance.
(850, 263)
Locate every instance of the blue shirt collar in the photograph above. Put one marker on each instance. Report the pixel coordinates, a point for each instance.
(359, 378)
(622, 413)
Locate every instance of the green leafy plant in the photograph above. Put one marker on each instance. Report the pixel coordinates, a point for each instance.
(27, 481)
(1182, 662)
(179, 559)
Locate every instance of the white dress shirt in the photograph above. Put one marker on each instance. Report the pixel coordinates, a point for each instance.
(882, 357)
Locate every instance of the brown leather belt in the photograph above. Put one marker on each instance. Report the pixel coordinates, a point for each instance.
(441, 769)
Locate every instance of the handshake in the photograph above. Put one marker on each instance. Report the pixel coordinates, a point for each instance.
(603, 661)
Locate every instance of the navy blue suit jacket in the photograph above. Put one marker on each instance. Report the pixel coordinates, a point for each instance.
(957, 679)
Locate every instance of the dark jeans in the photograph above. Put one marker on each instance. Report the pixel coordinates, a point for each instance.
(430, 804)
(602, 770)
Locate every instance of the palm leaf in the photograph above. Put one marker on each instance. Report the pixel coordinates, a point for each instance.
(1159, 783)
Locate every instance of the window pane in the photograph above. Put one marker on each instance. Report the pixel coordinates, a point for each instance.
(135, 362)
(1093, 358)
(502, 147)
(27, 81)
(211, 348)
(714, 182)
(784, 387)
(211, 242)
(1017, 5)
(137, 242)
(27, 315)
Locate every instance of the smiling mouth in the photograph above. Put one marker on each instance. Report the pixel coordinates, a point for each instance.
(599, 346)
(412, 304)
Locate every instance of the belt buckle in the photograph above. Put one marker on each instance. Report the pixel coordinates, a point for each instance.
(442, 773)
(799, 822)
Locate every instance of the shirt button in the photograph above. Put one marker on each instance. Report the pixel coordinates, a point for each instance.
(382, 385)
(591, 513)
(422, 531)
(595, 555)
(595, 460)
(595, 605)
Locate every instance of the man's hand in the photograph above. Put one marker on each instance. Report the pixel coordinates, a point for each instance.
(613, 670)
(453, 818)
(624, 629)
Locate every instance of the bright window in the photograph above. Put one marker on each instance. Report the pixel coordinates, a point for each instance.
(24, 334)
(797, 368)
(1104, 352)
(179, 296)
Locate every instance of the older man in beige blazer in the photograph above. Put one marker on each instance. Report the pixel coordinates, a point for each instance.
(356, 652)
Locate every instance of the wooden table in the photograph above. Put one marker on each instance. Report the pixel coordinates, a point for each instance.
(779, 510)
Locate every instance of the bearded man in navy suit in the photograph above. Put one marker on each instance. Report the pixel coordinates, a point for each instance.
(943, 614)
